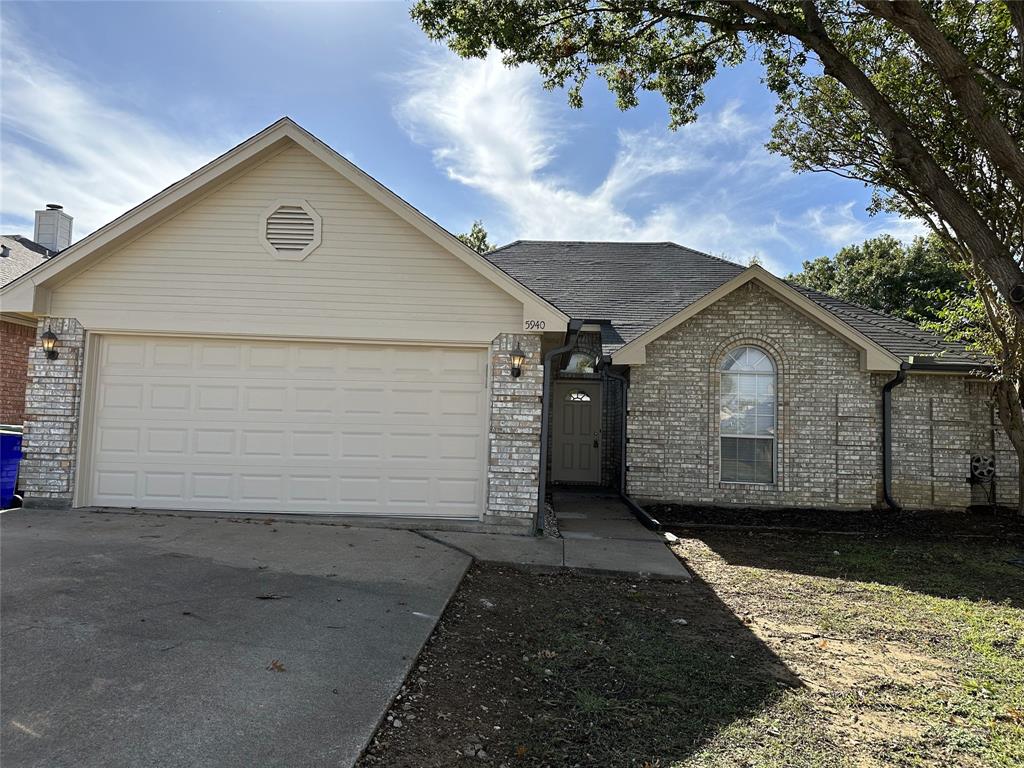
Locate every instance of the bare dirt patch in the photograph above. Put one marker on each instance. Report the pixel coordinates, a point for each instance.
(786, 650)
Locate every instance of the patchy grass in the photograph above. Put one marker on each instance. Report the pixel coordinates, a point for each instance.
(787, 650)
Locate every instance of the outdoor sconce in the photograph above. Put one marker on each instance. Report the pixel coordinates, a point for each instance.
(50, 340)
(517, 357)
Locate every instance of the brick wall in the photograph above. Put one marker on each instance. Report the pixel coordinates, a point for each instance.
(828, 446)
(939, 422)
(52, 405)
(514, 439)
(15, 340)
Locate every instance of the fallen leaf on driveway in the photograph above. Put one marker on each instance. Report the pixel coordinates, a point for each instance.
(275, 666)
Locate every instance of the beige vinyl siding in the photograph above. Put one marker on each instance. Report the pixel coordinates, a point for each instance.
(205, 271)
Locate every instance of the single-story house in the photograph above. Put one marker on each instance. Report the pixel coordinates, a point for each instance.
(18, 255)
(279, 332)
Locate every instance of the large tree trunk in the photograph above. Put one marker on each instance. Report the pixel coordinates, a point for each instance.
(1011, 415)
(956, 74)
(908, 153)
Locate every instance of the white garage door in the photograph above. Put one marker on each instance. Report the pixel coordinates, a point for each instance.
(288, 427)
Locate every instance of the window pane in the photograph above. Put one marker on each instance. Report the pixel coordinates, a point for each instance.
(766, 418)
(745, 460)
(746, 420)
(728, 448)
(729, 471)
(732, 360)
(729, 459)
(764, 461)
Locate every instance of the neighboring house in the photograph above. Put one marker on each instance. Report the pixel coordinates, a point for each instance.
(278, 332)
(18, 255)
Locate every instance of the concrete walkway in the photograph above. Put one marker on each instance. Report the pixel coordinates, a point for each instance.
(599, 535)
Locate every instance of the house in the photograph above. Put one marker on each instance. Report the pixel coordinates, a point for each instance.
(279, 332)
(18, 255)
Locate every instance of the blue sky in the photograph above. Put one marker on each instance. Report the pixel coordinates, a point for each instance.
(104, 104)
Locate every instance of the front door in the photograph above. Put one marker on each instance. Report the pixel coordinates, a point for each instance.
(576, 440)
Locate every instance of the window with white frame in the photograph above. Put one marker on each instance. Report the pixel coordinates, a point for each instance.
(747, 417)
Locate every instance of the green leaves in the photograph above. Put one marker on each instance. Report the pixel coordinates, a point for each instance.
(916, 282)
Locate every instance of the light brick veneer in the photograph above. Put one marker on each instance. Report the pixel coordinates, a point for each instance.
(828, 448)
(514, 439)
(939, 422)
(53, 402)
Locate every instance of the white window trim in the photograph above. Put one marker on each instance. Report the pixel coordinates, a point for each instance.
(774, 437)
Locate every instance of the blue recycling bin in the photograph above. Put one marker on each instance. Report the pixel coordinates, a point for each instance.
(10, 458)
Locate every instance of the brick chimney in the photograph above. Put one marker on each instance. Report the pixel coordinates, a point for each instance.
(53, 228)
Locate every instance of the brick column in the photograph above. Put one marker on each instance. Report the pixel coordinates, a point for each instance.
(53, 403)
(513, 471)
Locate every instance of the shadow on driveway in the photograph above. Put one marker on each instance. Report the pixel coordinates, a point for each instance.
(133, 640)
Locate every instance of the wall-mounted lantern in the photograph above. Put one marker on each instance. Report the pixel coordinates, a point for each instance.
(517, 357)
(50, 342)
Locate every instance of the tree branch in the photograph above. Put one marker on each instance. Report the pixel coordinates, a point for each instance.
(955, 72)
(908, 153)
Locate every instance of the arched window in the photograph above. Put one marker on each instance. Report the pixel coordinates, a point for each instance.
(747, 417)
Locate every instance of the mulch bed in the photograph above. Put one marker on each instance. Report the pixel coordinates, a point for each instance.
(998, 523)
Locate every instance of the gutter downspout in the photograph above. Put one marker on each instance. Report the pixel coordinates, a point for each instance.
(571, 332)
(899, 378)
(642, 514)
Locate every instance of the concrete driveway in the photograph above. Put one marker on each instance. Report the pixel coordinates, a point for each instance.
(132, 640)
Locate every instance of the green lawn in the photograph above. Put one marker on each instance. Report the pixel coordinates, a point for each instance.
(787, 650)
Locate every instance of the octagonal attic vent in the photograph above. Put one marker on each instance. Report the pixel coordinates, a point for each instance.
(290, 230)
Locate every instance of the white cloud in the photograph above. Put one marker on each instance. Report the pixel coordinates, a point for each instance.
(838, 225)
(710, 185)
(64, 143)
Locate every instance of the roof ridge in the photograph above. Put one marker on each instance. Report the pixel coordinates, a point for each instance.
(671, 243)
(503, 247)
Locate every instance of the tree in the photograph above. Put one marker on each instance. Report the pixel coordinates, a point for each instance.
(868, 56)
(915, 282)
(922, 100)
(476, 238)
(983, 323)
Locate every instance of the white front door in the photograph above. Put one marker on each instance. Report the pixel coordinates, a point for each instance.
(576, 432)
(222, 424)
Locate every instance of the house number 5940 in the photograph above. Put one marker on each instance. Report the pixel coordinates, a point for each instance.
(533, 325)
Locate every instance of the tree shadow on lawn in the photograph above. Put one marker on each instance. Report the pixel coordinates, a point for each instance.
(574, 670)
(975, 569)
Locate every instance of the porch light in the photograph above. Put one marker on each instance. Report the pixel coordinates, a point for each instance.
(517, 357)
(50, 340)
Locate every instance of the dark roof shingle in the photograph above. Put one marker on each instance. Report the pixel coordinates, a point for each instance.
(635, 286)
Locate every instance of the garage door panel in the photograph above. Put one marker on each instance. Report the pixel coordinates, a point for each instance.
(266, 426)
